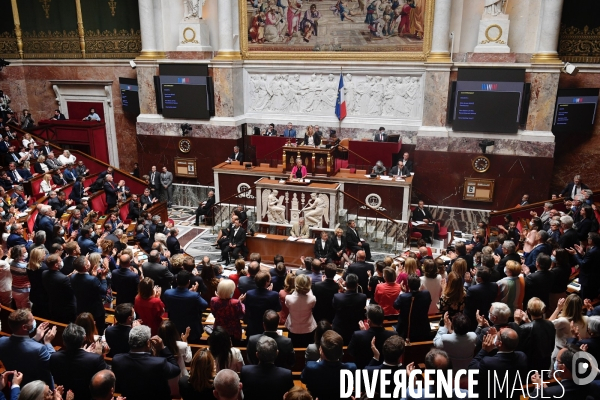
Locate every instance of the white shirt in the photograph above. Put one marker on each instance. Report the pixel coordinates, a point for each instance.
(27, 141)
(45, 187)
(67, 160)
(576, 191)
(310, 141)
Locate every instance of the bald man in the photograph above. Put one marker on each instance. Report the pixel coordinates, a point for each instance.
(102, 385)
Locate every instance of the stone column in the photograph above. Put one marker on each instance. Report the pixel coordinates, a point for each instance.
(548, 33)
(225, 17)
(441, 32)
(148, 31)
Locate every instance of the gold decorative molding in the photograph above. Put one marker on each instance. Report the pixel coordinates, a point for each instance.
(18, 32)
(579, 45)
(80, 29)
(187, 39)
(46, 7)
(51, 44)
(151, 55)
(112, 4)
(227, 56)
(441, 56)
(545, 58)
(113, 44)
(8, 46)
(489, 39)
(332, 52)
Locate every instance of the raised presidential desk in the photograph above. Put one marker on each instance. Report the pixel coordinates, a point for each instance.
(373, 151)
(317, 160)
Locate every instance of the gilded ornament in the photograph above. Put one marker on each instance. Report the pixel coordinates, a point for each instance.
(113, 7)
(187, 39)
(46, 7)
(496, 39)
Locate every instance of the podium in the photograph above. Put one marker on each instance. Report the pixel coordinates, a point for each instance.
(317, 160)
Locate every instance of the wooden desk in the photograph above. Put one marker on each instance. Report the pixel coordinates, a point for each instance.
(317, 160)
(373, 151)
(272, 245)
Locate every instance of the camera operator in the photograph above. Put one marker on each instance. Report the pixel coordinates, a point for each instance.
(26, 121)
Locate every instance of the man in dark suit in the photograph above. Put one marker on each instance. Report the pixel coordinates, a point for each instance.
(61, 298)
(85, 243)
(89, 290)
(154, 179)
(117, 336)
(271, 130)
(393, 349)
(361, 340)
(361, 269)
(399, 170)
(111, 193)
(58, 116)
(72, 251)
(59, 179)
(323, 248)
(16, 237)
(205, 207)
(125, 280)
(60, 203)
(72, 366)
(573, 188)
(236, 155)
(322, 378)
(536, 336)
(142, 237)
(31, 356)
(481, 295)
(408, 164)
(185, 306)
(159, 273)
(498, 314)
(255, 378)
(413, 323)
(422, 214)
(510, 254)
(258, 301)
(241, 214)
(289, 132)
(354, 241)
(237, 238)
(568, 389)
(506, 363)
(46, 149)
(140, 375)
(286, 356)
(539, 283)
(380, 136)
(173, 243)
(349, 309)
(324, 292)
(248, 282)
(589, 266)
(569, 237)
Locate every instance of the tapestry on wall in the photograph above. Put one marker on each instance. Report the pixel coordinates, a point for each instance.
(579, 39)
(397, 29)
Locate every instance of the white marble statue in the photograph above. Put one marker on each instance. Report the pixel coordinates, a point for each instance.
(316, 209)
(193, 8)
(273, 207)
(494, 7)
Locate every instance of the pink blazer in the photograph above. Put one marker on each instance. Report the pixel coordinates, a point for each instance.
(295, 169)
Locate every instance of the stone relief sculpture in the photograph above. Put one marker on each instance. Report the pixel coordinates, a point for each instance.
(390, 96)
(316, 209)
(273, 207)
(193, 8)
(494, 7)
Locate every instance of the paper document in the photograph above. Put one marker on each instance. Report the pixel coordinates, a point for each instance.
(260, 236)
(305, 240)
(292, 239)
(417, 223)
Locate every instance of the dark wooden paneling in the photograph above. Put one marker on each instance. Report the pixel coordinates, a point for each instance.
(439, 178)
(162, 150)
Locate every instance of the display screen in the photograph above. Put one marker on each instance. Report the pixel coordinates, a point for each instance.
(129, 95)
(487, 100)
(575, 110)
(185, 91)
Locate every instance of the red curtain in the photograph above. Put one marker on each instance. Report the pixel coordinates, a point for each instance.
(81, 109)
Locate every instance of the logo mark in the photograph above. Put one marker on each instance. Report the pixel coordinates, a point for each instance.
(584, 368)
(578, 100)
(489, 86)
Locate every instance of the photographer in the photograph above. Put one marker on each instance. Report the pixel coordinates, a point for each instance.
(26, 121)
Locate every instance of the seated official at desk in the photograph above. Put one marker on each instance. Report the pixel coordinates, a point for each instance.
(310, 139)
(299, 170)
(380, 136)
(408, 164)
(300, 230)
(236, 155)
(379, 168)
(422, 214)
(271, 130)
(399, 170)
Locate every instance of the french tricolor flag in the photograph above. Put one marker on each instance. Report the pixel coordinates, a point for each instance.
(340, 105)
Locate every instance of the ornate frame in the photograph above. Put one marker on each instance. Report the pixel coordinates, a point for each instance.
(333, 55)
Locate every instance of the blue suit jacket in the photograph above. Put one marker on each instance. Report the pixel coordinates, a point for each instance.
(88, 291)
(289, 133)
(18, 202)
(361, 341)
(322, 378)
(70, 175)
(27, 356)
(87, 246)
(14, 393)
(185, 309)
(14, 239)
(257, 302)
(544, 248)
(125, 283)
(589, 274)
(256, 378)
(479, 297)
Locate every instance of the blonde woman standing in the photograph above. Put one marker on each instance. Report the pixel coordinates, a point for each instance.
(46, 186)
(300, 321)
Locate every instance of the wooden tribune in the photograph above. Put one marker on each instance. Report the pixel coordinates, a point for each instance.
(317, 160)
(271, 245)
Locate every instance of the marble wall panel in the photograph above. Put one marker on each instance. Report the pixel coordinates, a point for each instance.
(464, 220)
(145, 76)
(189, 195)
(435, 98)
(198, 130)
(543, 100)
(224, 92)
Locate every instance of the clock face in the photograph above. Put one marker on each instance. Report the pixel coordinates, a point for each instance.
(185, 146)
(481, 164)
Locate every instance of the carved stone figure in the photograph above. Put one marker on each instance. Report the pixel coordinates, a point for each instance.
(317, 208)
(329, 95)
(193, 8)
(348, 91)
(494, 7)
(273, 207)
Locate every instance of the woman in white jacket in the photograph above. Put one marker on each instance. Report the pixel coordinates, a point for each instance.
(67, 158)
(300, 321)
(46, 185)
